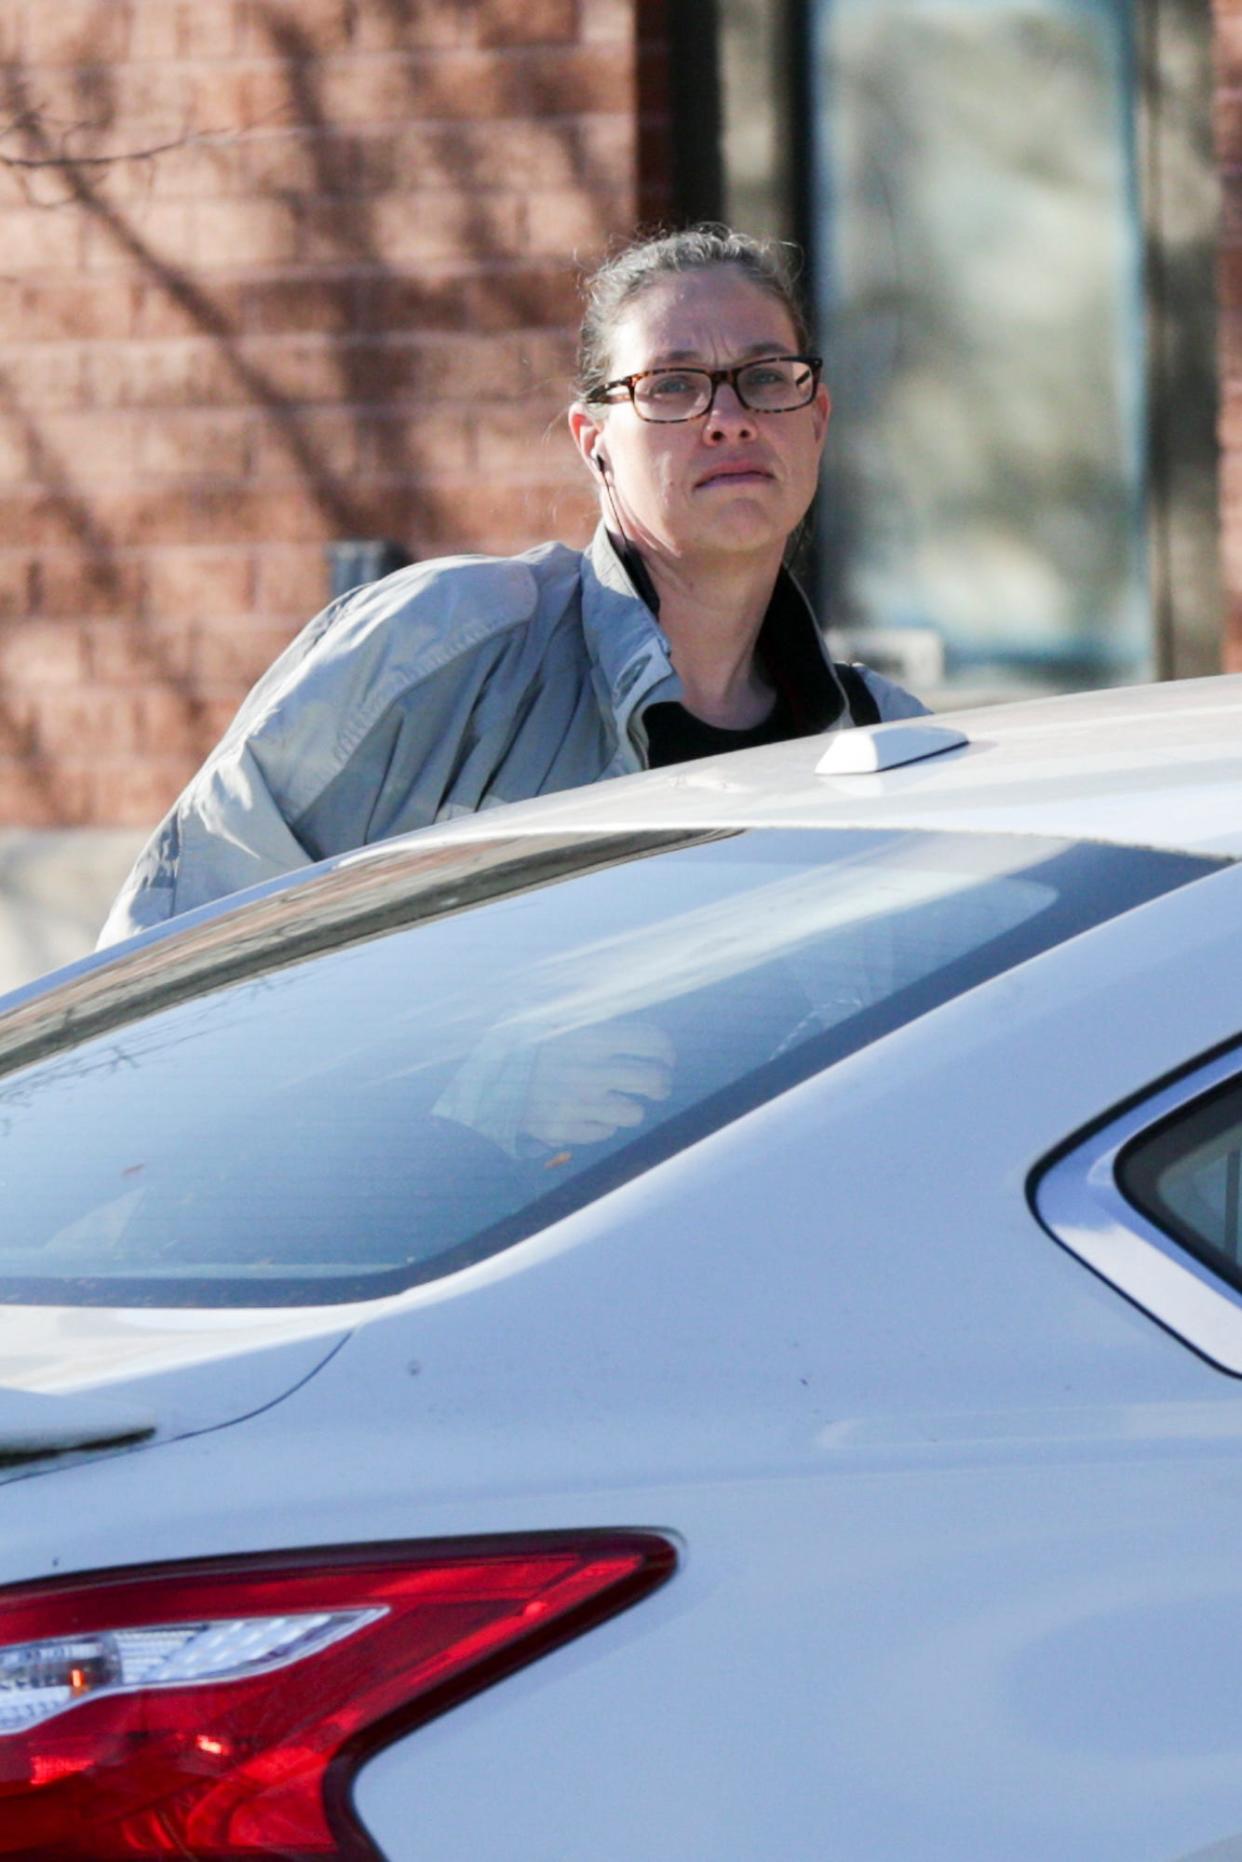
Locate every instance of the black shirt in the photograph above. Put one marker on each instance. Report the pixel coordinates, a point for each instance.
(675, 735)
(812, 693)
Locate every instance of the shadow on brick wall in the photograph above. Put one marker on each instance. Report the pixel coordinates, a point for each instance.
(373, 390)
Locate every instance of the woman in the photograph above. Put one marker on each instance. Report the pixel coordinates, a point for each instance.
(455, 685)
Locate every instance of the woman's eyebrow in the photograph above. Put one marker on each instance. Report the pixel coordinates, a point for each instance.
(770, 348)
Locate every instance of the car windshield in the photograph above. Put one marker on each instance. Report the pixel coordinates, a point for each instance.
(351, 1123)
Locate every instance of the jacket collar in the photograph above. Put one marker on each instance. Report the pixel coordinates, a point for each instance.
(627, 646)
(630, 658)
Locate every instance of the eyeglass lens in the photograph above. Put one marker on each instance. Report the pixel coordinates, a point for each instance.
(773, 386)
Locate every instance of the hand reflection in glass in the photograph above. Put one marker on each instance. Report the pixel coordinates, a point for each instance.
(595, 1081)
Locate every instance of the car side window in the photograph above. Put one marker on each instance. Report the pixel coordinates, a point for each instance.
(1186, 1176)
(1152, 1201)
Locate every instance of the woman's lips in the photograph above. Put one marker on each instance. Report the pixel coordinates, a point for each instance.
(733, 475)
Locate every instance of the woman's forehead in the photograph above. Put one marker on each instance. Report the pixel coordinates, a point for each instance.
(715, 315)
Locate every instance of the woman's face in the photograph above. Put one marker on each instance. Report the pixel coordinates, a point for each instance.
(731, 481)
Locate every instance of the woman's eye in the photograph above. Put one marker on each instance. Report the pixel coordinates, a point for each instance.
(769, 375)
(670, 387)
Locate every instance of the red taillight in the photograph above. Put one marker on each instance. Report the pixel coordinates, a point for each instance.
(221, 1709)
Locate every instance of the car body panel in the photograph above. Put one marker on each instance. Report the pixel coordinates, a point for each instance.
(907, 1502)
(957, 1521)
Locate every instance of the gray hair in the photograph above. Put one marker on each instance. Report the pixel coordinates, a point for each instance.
(613, 286)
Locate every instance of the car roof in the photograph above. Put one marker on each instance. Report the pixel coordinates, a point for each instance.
(1154, 766)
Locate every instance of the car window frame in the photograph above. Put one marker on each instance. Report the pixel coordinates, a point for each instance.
(1078, 1198)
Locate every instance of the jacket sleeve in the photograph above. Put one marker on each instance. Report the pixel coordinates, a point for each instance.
(404, 647)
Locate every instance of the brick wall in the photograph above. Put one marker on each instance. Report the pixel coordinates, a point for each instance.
(336, 304)
(1228, 48)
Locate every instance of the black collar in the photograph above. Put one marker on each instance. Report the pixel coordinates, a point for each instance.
(790, 643)
(795, 661)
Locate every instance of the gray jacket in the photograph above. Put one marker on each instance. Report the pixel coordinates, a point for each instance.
(448, 687)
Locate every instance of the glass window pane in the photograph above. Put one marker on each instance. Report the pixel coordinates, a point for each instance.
(1187, 1177)
(380, 1114)
(981, 292)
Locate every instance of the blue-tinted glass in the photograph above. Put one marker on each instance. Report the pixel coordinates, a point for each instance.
(362, 1119)
(980, 268)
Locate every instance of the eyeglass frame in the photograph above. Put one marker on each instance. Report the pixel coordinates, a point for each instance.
(715, 377)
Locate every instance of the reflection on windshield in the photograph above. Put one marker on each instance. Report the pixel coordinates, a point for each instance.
(365, 1119)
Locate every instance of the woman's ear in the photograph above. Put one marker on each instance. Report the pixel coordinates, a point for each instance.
(823, 409)
(588, 435)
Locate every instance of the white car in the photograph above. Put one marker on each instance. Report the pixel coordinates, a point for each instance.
(697, 1319)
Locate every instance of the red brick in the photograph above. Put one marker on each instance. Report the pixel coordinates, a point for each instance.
(1231, 551)
(120, 652)
(606, 22)
(526, 22)
(161, 234)
(169, 718)
(472, 514)
(299, 161)
(1229, 334)
(15, 450)
(398, 24)
(42, 653)
(171, 29)
(154, 32)
(244, 232)
(545, 81)
(68, 308)
(498, 154)
(11, 37)
(35, 239)
(1229, 424)
(203, 514)
(515, 298)
(406, 227)
(85, 446)
(292, 582)
(75, 582)
(16, 585)
(1227, 48)
(36, 795)
(181, 308)
(186, 585)
(510, 444)
(302, 368)
(570, 221)
(432, 369)
(207, 443)
(77, 32)
(14, 315)
(210, 167)
(129, 794)
(295, 29)
(390, 301)
(156, 103)
(80, 721)
(1227, 122)
(236, 655)
(41, 376)
(292, 306)
(1231, 203)
(540, 367)
(402, 444)
(283, 446)
(151, 374)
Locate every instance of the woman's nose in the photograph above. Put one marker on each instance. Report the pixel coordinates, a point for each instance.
(727, 414)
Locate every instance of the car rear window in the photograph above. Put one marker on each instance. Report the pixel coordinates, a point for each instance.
(1186, 1176)
(347, 1124)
